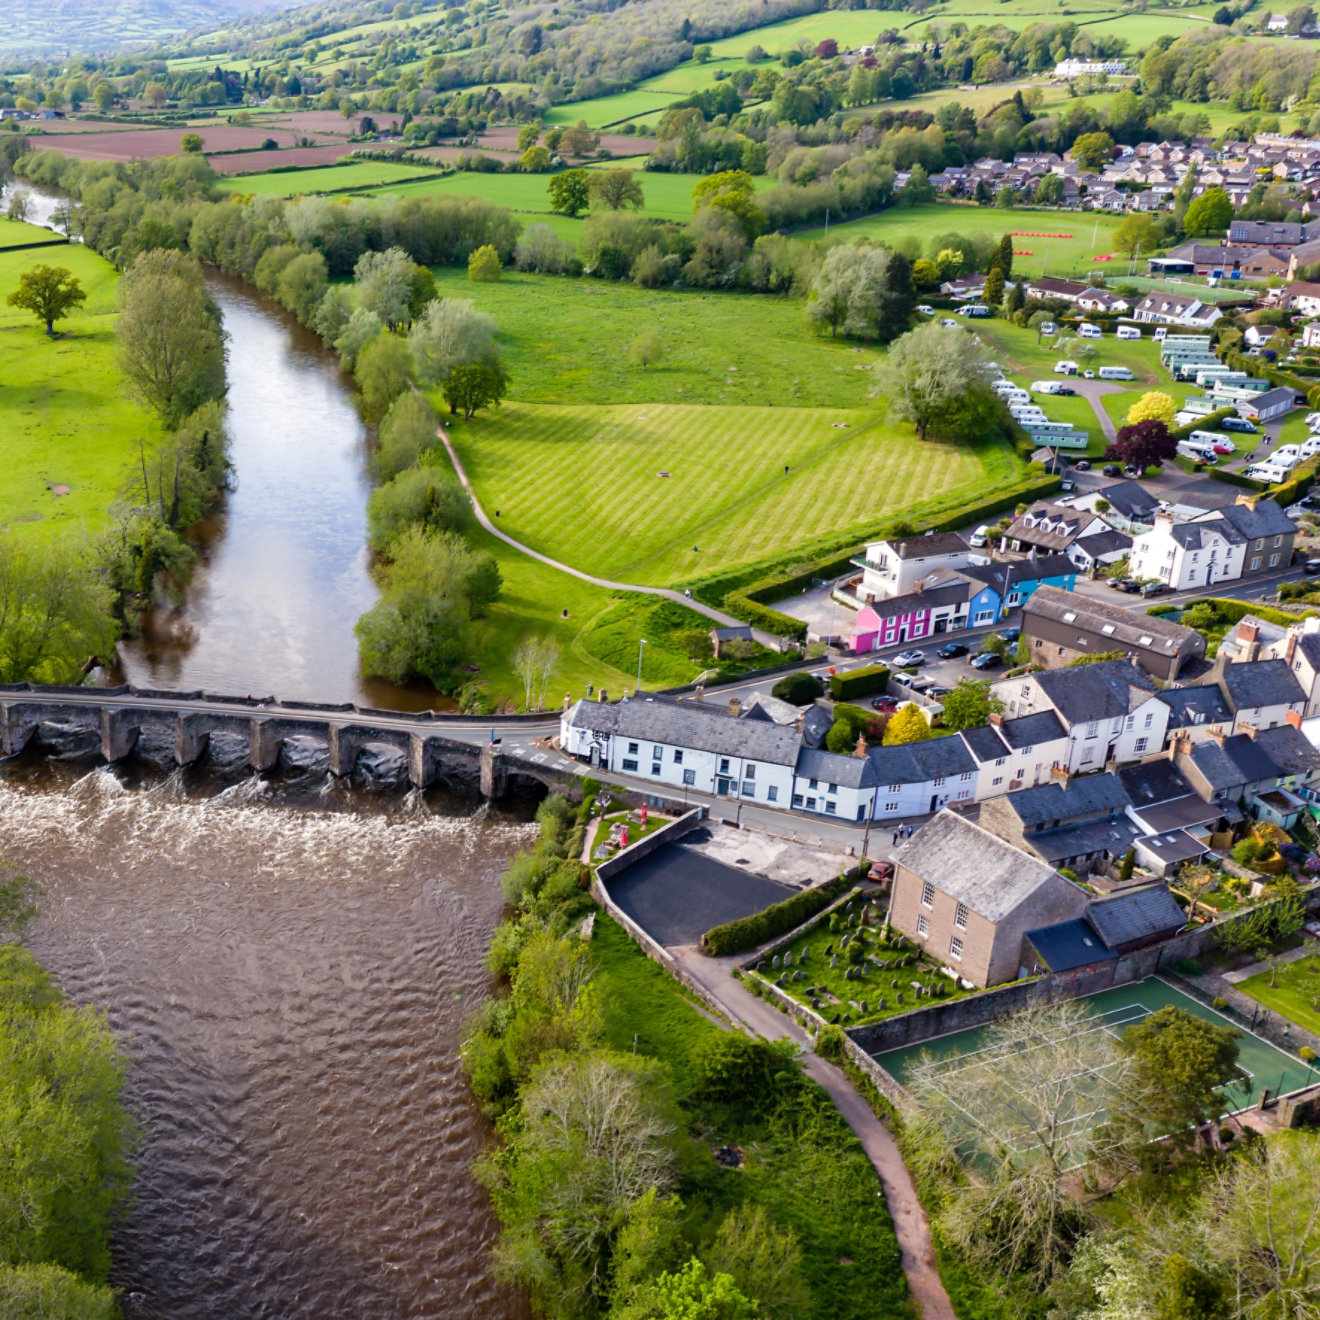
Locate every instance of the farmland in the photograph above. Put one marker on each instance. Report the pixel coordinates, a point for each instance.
(143, 143)
(68, 423)
(333, 178)
(667, 492)
(13, 233)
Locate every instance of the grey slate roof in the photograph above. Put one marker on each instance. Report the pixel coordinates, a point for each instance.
(1125, 629)
(1102, 691)
(1136, 914)
(1155, 781)
(971, 865)
(920, 547)
(738, 633)
(1266, 519)
(1085, 796)
(1238, 761)
(708, 728)
(1257, 683)
(1172, 846)
(1290, 749)
(1308, 647)
(1068, 944)
(919, 763)
(1201, 704)
(950, 593)
(985, 743)
(1029, 730)
(1021, 570)
(832, 768)
(1130, 499)
(1103, 543)
(1111, 835)
(816, 723)
(1205, 531)
(1268, 400)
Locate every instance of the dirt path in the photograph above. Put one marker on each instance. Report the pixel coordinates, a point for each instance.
(910, 1224)
(727, 620)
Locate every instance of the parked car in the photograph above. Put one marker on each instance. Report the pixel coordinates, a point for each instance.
(925, 309)
(913, 659)
(1066, 390)
(949, 323)
(885, 705)
(1088, 374)
(937, 692)
(1082, 465)
(1154, 588)
(987, 660)
(1132, 470)
(881, 871)
(1010, 634)
(1115, 584)
(921, 683)
(1309, 501)
(1130, 585)
(1112, 470)
(1311, 567)
(951, 649)
(1239, 424)
(1223, 448)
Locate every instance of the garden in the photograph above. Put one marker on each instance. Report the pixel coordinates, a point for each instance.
(850, 969)
(1291, 990)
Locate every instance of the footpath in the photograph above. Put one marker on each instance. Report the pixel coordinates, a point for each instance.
(911, 1227)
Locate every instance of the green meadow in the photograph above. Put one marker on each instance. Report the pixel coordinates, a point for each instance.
(14, 233)
(327, 178)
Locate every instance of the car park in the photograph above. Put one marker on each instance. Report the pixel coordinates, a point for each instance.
(913, 659)
(987, 660)
(950, 650)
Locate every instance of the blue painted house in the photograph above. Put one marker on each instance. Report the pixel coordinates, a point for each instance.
(1003, 586)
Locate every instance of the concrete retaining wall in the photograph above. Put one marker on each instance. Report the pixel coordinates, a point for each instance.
(667, 833)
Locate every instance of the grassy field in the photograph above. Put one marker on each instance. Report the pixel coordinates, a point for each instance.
(67, 422)
(616, 109)
(668, 196)
(566, 341)
(587, 485)
(1296, 994)
(331, 178)
(13, 233)
(1088, 235)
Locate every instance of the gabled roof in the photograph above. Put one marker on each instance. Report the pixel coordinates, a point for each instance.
(1289, 749)
(1031, 730)
(832, 768)
(922, 547)
(974, 866)
(1127, 630)
(1136, 914)
(1102, 543)
(1102, 691)
(1266, 519)
(1236, 761)
(1153, 782)
(1256, 683)
(921, 762)
(1069, 944)
(1129, 499)
(984, 743)
(1084, 796)
(1201, 704)
(1020, 570)
(1308, 646)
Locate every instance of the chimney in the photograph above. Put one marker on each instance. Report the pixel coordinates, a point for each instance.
(801, 719)
(1248, 500)
(1217, 735)
(860, 749)
(1248, 631)
(1290, 650)
(1248, 730)
(996, 718)
(1294, 719)
(1180, 745)
(1060, 773)
(700, 693)
(735, 707)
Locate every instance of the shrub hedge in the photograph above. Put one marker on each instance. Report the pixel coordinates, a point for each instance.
(778, 919)
(859, 682)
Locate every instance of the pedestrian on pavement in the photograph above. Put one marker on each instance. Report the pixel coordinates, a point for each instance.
(894, 844)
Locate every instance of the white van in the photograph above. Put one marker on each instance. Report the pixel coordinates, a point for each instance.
(1116, 373)
(1065, 367)
(1271, 472)
(1046, 386)
(974, 309)
(1127, 332)
(1161, 334)
(1088, 331)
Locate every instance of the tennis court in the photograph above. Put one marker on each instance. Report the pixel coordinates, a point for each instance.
(1266, 1066)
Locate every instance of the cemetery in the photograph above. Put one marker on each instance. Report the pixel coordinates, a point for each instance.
(846, 967)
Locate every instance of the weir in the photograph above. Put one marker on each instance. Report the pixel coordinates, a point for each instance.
(463, 756)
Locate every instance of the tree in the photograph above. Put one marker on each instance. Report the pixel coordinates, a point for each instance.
(692, 1294)
(579, 140)
(798, 689)
(1210, 213)
(421, 495)
(535, 160)
(1137, 232)
(992, 294)
(1093, 150)
(617, 190)
(763, 1261)
(191, 144)
(1125, 867)
(969, 705)
(50, 293)
(1010, 1110)
(1147, 444)
(1180, 1063)
(384, 283)
(933, 378)
(171, 345)
(1301, 19)
(103, 97)
(470, 388)
(484, 265)
(47, 1292)
(302, 284)
(1049, 190)
(527, 136)
(155, 94)
(383, 371)
(450, 333)
(17, 207)
(731, 191)
(1154, 405)
(534, 660)
(865, 292)
(907, 725)
(570, 192)
(406, 433)
(647, 349)
(1015, 300)
(1006, 255)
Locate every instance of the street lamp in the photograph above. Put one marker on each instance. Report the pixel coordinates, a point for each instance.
(640, 645)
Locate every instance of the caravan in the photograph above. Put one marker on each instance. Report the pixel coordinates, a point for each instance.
(1127, 332)
(1116, 373)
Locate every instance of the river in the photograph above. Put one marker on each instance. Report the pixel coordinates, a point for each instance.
(289, 960)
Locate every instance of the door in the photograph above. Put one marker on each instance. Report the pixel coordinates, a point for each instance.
(941, 625)
(721, 788)
(934, 802)
(595, 756)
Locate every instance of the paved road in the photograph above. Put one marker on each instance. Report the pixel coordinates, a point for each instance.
(910, 1224)
(727, 620)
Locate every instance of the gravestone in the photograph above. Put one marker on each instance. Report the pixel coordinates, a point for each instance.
(834, 960)
(900, 996)
(774, 962)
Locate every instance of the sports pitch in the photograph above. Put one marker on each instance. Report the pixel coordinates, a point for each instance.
(1267, 1067)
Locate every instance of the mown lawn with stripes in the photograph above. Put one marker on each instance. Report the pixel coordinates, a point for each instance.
(663, 493)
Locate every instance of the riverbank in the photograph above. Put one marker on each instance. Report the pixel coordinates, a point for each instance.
(71, 434)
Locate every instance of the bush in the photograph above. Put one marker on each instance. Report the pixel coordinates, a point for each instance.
(831, 1044)
(859, 682)
(778, 919)
(799, 689)
(1246, 851)
(1219, 1002)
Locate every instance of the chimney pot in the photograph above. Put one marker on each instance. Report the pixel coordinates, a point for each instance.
(735, 707)
(860, 749)
(1247, 632)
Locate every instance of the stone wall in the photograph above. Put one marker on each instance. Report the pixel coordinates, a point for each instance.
(666, 834)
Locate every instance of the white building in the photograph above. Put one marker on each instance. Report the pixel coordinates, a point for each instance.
(897, 568)
(1175, 309)
(1084, 68)
(1189, 554)
(1109, 710)
(1016, 753)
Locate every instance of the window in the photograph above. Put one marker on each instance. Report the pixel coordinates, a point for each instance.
(1260, 545)
(630, 763)
(895, 788)
(927, 894)
(749, 788)
(1000, 760)
(632, 748)
(1141, 745)
(1274, 559)
(772, 794)
(655, 767)
(678, 756)
(955, 948)
(724, 765)
(749, 772)
(994, 783)
(1130, 721)
(1278, 541)
(1093, 728)
(811, 783)
(1108, 628)
(966, 774)
(811, 803)
(834, 788)
(657, 753)
(923, 927)
(829, 808)
(797, 799)
(939, 781)
(1088, 755)
(689, 778)
(1149, 718)
(891, 806)
(1255, 563)
(960, 916)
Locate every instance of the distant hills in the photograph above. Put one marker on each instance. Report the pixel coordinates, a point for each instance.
(56, 27)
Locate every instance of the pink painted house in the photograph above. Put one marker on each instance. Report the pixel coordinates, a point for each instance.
(910, 618)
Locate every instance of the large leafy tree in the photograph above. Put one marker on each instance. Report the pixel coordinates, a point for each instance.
(934, 378)
(969, 705)
(1209, 213)
(1145, 444)
(617, 190)
(49, 292)
(570, 192)
(471, 388)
